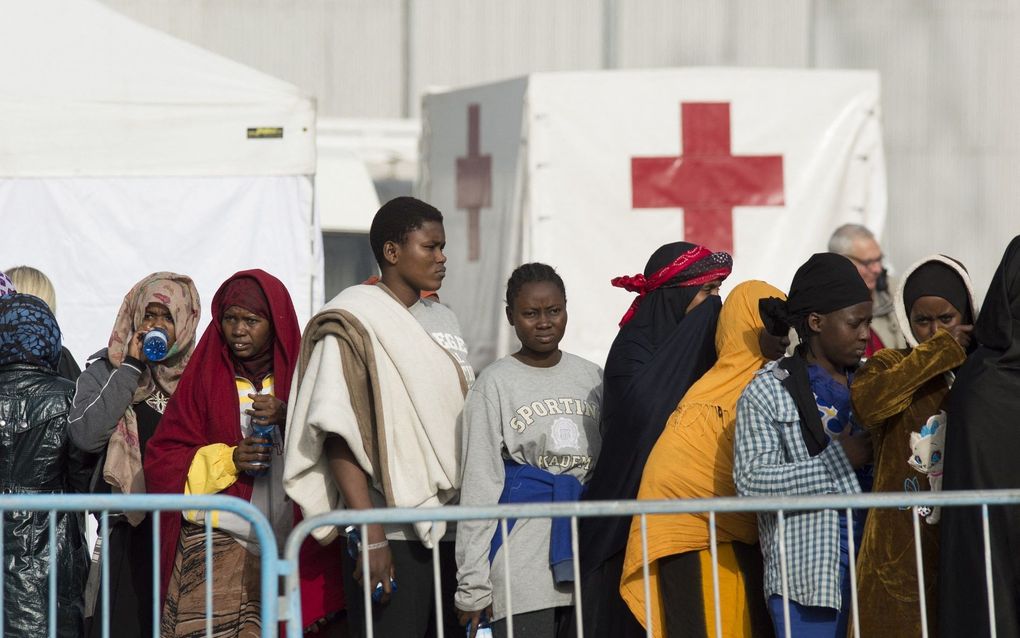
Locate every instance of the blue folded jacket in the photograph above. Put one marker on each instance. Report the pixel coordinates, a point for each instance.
(529, 484)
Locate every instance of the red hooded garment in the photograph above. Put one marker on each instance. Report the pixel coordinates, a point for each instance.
(205, 410)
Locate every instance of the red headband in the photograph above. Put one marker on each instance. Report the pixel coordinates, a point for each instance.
(643, 285)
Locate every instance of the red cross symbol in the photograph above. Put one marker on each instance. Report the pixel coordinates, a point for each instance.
(707, 181)
(474, 182)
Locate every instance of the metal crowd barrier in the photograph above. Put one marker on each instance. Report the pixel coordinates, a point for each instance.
(289, 608)
(781, 506)
(154, 503)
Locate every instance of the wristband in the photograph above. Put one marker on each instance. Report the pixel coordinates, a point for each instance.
(380, 545)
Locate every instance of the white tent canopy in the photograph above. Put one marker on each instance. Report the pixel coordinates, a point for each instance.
(124, 151)
(87, 91)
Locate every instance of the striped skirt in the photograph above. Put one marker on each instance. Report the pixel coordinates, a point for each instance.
(236, 594)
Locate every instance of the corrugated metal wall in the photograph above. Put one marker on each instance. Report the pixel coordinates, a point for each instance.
(348, 54)
(949, 70)
(457, 43)
(950, 87)
(655, 33)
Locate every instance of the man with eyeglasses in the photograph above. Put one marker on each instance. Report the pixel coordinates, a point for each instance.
(859, 245)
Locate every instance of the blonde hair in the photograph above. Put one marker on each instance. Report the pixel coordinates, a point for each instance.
(30, 281)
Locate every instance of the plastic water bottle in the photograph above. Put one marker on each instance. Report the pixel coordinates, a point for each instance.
(482, 631)
(354, 550)
(262, 431)
(155, 344)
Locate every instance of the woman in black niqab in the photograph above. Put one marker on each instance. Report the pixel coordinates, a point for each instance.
(982, 448)
(660, 351)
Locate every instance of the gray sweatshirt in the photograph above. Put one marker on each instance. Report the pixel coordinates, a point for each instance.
(440, 322)
(102, 395)
(544, 417)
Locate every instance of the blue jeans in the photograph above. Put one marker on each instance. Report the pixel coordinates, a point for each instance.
(822, 622)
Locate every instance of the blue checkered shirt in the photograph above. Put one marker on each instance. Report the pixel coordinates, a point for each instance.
(770, 459)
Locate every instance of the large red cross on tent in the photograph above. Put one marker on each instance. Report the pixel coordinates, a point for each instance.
(707, 180)
(474, 181)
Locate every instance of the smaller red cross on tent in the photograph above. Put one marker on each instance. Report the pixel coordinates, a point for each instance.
(474, 182)
(707, 180)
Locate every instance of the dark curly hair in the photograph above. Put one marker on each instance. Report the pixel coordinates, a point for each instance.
(395, 219)
(529, 274)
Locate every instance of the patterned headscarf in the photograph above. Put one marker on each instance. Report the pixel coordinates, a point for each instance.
(123, 467)
(28, 332)
(6, 285)
(179, 295)
(676, 265)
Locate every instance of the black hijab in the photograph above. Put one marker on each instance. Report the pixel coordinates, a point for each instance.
(653, 319)
(657, 355)
(982, 441)
(938, 279)
(998, 327)
(669, 283)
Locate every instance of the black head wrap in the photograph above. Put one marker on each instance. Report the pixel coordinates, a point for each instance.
(937, 279)
(825, 283)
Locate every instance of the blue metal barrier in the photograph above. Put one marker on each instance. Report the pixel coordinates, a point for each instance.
(642, 509)
(272, 567)
(153, 503)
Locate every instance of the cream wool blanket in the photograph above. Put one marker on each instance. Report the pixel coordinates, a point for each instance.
(371, 374)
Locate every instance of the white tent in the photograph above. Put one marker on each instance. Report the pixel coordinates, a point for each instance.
(344, 193)
(125, 151)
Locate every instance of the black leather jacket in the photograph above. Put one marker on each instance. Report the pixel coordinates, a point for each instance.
(37, 457)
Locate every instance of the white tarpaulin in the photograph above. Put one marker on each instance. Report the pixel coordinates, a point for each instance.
(89, 237)
(124, 151)
(590, 172)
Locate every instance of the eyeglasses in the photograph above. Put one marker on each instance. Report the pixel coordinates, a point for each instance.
(867, 263)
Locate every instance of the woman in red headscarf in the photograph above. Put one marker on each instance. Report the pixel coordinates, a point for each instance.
(238, 380)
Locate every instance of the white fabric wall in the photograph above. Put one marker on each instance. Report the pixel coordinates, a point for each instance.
(94, 246)
(561, 147)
